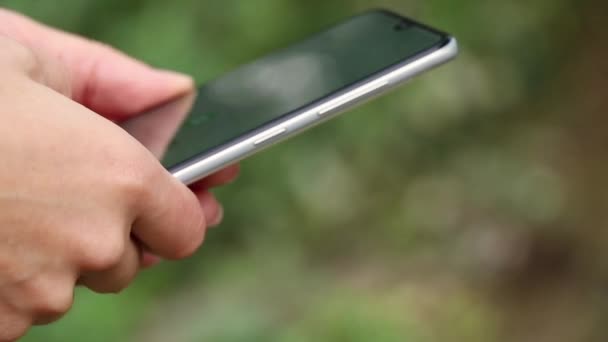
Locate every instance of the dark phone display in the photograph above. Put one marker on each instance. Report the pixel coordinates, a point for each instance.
(292, 78)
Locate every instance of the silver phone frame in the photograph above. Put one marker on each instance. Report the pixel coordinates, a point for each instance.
(308, 117)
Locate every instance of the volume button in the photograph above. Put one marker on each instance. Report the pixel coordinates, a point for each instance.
(267, 137)
(352, 96)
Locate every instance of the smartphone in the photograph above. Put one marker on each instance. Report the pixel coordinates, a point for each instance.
(288, 91)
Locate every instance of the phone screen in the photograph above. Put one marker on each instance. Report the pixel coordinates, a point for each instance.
(295, 77)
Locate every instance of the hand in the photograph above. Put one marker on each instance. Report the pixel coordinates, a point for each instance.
(155, 129)
(80, 199)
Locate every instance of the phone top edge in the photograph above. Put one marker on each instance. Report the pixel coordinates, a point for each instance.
(411, 21)
(205, 164)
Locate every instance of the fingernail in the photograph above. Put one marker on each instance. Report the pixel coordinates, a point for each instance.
(176, 79)
(218, 217)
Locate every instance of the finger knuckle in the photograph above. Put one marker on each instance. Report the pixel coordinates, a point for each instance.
(20, 57)
(134, 181)
(51, 303)
(103, 286)
(103, 253)
(103, 49)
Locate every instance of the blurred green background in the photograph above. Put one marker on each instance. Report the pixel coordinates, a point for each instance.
(468, 206)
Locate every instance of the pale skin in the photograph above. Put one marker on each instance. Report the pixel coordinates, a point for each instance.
(82, 202)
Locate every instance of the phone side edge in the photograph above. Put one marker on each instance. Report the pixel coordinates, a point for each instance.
(308, 118)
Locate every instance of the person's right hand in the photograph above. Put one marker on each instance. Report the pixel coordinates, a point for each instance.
(80, 199)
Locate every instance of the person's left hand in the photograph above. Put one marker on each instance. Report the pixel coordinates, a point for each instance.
(115, 86)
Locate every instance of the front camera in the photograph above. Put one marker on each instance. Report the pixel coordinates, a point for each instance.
(400, 26)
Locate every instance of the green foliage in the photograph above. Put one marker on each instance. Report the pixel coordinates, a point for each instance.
(367, 228)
